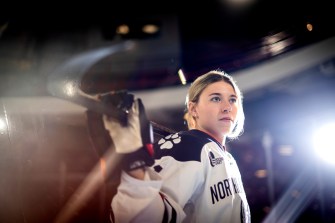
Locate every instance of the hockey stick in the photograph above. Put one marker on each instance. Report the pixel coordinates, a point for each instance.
(65, 83)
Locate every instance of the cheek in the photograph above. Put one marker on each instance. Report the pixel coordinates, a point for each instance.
(208, 113)
(207, 109)
(234, 110)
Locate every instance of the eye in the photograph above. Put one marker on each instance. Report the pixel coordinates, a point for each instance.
(216, 99)
(233, 100)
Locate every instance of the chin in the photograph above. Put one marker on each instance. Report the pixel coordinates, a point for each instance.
(225, 133)
(226, 130)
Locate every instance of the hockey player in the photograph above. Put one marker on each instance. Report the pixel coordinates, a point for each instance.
(190, 176)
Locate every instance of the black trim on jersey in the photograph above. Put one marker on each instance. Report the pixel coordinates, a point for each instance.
(166, 216)
(174, 213)
(205, 135)
(188, 149)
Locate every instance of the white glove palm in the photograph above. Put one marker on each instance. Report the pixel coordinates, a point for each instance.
(127, 139)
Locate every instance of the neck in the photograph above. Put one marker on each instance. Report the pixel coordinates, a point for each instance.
(220, 138)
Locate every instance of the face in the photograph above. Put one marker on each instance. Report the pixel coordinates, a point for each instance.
(215, 112)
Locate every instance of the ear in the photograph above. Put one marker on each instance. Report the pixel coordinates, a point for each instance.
(192, 109)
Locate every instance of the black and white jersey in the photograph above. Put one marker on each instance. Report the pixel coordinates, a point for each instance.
(197, 179)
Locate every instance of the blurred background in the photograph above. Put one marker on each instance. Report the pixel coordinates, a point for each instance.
(281, 53)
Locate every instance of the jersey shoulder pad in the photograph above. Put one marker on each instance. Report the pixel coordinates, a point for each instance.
(182, 146)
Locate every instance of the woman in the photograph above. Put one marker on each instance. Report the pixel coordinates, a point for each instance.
(193, 178)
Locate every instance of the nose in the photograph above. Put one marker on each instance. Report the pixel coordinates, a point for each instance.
(226, 107)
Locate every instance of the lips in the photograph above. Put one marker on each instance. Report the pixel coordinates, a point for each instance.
(226, 119)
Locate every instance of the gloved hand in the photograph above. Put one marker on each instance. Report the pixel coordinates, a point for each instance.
(126, 139)
(131, 133)
(133, 139)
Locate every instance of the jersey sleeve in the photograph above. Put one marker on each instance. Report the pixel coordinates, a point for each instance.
(142, 201)
(172, 181)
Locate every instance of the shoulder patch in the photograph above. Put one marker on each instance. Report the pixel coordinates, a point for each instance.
(182, 146)
(169, 141)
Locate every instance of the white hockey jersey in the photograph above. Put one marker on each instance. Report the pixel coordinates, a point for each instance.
(194, 176)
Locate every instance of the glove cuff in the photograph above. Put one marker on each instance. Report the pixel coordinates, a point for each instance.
(140, 158)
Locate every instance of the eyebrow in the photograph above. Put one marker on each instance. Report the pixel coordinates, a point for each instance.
(218, 94)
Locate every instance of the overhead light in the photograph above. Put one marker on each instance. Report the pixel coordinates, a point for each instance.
(122, 29)
(238, 5)
(324, 143)
(150, 28)
(261, 173)
(309, 27)
(182, 77)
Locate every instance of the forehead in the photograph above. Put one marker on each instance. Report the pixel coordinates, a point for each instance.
(220, 87)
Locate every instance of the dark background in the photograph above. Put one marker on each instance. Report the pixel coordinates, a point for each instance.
(285, 72)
